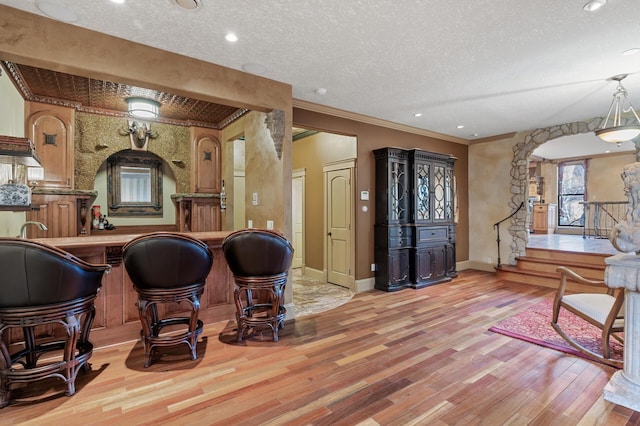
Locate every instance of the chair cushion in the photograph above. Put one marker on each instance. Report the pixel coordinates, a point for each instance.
(595, 306)
(166, 261)
(33, 276)
(257, 253)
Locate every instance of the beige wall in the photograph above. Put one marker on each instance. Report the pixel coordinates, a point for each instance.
(489, 197)
(370, 137)
(262, 170)
(11, 124)
(311, 154)
(603, 180)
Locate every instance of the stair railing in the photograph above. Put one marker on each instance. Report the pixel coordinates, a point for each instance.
(497, 227)
(601, 216)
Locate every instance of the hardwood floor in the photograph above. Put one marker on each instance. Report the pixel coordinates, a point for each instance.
(420, 357)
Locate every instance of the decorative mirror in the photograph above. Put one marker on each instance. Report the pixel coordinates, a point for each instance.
(134, 180)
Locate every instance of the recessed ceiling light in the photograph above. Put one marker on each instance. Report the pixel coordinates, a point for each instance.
(594, 5)
(475, 135)
(321, 91)
(188, 4)
(117, 1)
(460, 126)
(632, 51)
(56, 11)
(417, 114)
(253, 68)
(231, 37)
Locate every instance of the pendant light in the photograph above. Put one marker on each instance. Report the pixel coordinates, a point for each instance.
(612, 129)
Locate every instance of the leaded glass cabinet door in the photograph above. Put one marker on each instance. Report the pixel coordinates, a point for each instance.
(392, 186)
(422, 192)
(449, 194)
(439, 193)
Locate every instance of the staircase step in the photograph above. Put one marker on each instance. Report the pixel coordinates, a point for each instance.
(587, 270)
(543, 279)
(538, 267)
(569, 256)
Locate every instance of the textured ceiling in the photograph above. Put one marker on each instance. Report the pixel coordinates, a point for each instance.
(106, 97)
(493, 67)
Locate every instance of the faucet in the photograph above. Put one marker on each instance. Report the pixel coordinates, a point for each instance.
(23, 230)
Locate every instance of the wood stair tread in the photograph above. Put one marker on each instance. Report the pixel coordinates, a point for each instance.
(562, 262)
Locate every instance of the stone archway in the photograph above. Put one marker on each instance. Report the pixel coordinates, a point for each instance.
(520, 175)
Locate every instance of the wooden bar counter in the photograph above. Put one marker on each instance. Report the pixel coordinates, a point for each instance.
(116, 313)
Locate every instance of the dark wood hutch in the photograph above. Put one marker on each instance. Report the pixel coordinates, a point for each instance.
(415, 232)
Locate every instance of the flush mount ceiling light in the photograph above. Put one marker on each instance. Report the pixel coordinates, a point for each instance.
(143, 107)
(188, 4)
(594, 5)
(612, 129)
(254, 68)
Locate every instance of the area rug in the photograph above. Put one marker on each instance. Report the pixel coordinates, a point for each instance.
(534, 326)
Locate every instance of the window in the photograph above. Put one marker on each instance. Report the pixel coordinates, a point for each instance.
(571, 192)
(134, 184)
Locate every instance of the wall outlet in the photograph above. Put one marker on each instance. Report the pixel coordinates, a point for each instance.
(254, 199)
(269, 224)
(373, 267)
(249, 223)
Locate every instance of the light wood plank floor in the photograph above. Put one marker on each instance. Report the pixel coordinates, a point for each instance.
(420, 357)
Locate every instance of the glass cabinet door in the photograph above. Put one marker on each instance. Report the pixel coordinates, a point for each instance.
(398, 192)
(439, 191)
(422, 192)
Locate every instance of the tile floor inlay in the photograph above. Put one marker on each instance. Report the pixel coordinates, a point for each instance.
(312, 296)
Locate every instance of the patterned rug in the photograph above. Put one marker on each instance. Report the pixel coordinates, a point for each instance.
(534, 326)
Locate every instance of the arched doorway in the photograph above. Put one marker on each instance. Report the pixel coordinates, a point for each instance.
(520, 173)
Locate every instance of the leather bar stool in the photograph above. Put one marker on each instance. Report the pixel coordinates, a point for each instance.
(167, 268)
(260, 261)
(44, 291)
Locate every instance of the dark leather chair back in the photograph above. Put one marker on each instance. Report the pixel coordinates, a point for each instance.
(257, 253)
(35, 274)
(166, 260)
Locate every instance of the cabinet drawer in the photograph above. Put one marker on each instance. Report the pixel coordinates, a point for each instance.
(399, 242)
(540, 209)
(431, 234)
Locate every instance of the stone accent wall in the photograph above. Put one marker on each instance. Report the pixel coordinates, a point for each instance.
(520, 175)
(98, 136)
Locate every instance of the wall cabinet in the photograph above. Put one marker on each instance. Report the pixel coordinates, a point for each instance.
(206, 165)
(544, 218)
(197, 212)
(415, 231)
(51, 129)
(65, 213)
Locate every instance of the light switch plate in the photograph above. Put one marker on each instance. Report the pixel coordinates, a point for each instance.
(269, 224)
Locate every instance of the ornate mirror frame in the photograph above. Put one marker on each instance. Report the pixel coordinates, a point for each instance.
(134, 159)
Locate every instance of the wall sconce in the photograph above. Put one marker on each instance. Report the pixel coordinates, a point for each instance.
(143, 107)
(34, 175)
(139, 134)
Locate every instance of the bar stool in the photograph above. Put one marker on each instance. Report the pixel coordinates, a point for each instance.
(259, 260)
(43, 286)
(167, 268)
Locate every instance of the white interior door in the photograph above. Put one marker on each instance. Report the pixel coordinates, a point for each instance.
(297, 217)
(339, 216)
